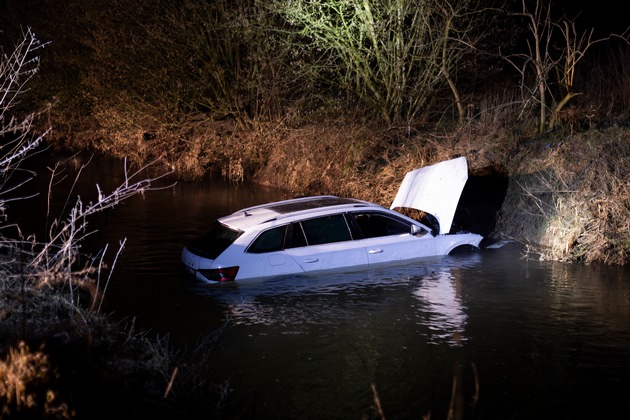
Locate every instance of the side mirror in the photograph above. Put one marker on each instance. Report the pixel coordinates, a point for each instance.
(417, 230)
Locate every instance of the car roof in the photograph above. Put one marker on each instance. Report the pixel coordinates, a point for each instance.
(291, 210)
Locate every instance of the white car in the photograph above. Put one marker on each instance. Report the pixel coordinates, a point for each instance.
(313, 234)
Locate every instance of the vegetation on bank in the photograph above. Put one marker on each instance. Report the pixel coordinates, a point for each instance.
(317, 98)
(60, 357)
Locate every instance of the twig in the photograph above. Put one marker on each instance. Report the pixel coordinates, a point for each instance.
(122, 245)
(377, 401)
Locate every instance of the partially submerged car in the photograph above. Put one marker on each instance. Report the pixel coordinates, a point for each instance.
(314, 234)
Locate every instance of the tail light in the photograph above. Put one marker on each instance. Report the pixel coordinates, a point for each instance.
(220, 274)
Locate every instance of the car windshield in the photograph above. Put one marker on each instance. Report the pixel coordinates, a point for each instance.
(215, 241)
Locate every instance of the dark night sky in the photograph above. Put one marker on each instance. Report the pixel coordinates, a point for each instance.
(605, 16)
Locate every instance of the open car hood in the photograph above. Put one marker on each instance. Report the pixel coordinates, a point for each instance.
(434, 189)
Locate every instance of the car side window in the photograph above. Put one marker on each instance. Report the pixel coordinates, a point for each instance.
(374, 225)
(295, 237)
(328, 229)
(269, 241)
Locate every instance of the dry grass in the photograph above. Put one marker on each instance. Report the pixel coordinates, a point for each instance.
(571, 200)
(25, 385)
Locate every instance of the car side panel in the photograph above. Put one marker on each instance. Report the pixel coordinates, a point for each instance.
(257, 265)
(398, 247)
(329, 256)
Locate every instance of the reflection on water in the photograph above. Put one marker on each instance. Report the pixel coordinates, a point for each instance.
(300, 299)
(443, 306)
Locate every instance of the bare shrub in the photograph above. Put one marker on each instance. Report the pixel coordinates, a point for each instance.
(57, 257)
(392, 56)
(48, 293)
(17, 140)
(544, 58)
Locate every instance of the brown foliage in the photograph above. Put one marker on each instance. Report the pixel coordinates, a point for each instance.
(26, 378)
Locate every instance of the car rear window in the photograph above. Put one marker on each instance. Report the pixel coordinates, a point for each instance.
(278, 238)
(214, 241)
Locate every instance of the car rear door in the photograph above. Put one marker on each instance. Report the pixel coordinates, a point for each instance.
(266, 256)
(329, 244)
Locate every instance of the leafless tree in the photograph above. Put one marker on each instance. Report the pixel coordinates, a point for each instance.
(392, 54)
(543, 59)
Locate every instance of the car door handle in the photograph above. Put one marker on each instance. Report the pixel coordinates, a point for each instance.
(375, 251)
(310, 260)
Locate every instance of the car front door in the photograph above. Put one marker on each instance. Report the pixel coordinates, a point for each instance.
(388, 238)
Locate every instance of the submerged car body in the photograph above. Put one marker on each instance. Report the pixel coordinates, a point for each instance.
(319, 233)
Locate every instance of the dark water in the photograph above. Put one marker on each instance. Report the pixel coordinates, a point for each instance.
(521, 339)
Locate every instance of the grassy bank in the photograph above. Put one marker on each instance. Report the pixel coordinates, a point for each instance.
(60, 358)
(568, 196)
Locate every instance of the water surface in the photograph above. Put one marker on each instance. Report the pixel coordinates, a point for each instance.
(520, 338)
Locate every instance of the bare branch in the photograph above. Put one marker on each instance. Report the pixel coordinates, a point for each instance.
(62, 245)
(542, 60)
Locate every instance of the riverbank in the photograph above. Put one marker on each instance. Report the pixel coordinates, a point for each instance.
(568, 197)
(569, 191)
(62, 358)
